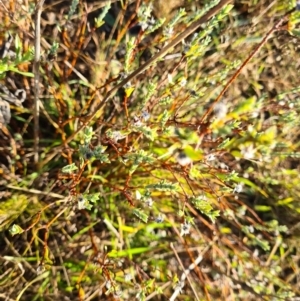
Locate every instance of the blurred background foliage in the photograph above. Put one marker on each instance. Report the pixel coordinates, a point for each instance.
(150, 200)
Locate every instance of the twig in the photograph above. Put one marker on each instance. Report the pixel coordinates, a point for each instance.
(189, 30)
(36, 72)
(186, 272)
(4, 7)
(36, 192)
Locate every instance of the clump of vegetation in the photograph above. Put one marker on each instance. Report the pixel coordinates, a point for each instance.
(153, 158)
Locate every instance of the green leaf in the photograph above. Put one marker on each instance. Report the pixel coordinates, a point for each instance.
(14, 69)
(227, 8)
(164, 186)
(193, 154)
(15, 229)
(133, 168)
(141, 214)
(69, 168)
(148, 132)
(88, 134)
(18, 45)
(224, 144)
(202, 204)
(164, 118)
(128, 252)
(103, 158)
(268, 135)
(245, 106)
(262, 243)
(263, 208)
(99, 20)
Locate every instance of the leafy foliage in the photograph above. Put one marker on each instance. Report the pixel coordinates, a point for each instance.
(180, 184)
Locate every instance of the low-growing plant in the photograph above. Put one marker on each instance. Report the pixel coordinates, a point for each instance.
(167, 154)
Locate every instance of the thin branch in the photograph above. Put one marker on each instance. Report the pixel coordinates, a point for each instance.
(275, 27)
(36, 72)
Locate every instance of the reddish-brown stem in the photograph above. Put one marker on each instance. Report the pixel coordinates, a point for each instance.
(275, 27)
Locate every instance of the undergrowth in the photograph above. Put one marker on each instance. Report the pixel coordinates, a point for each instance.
(163, 173)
